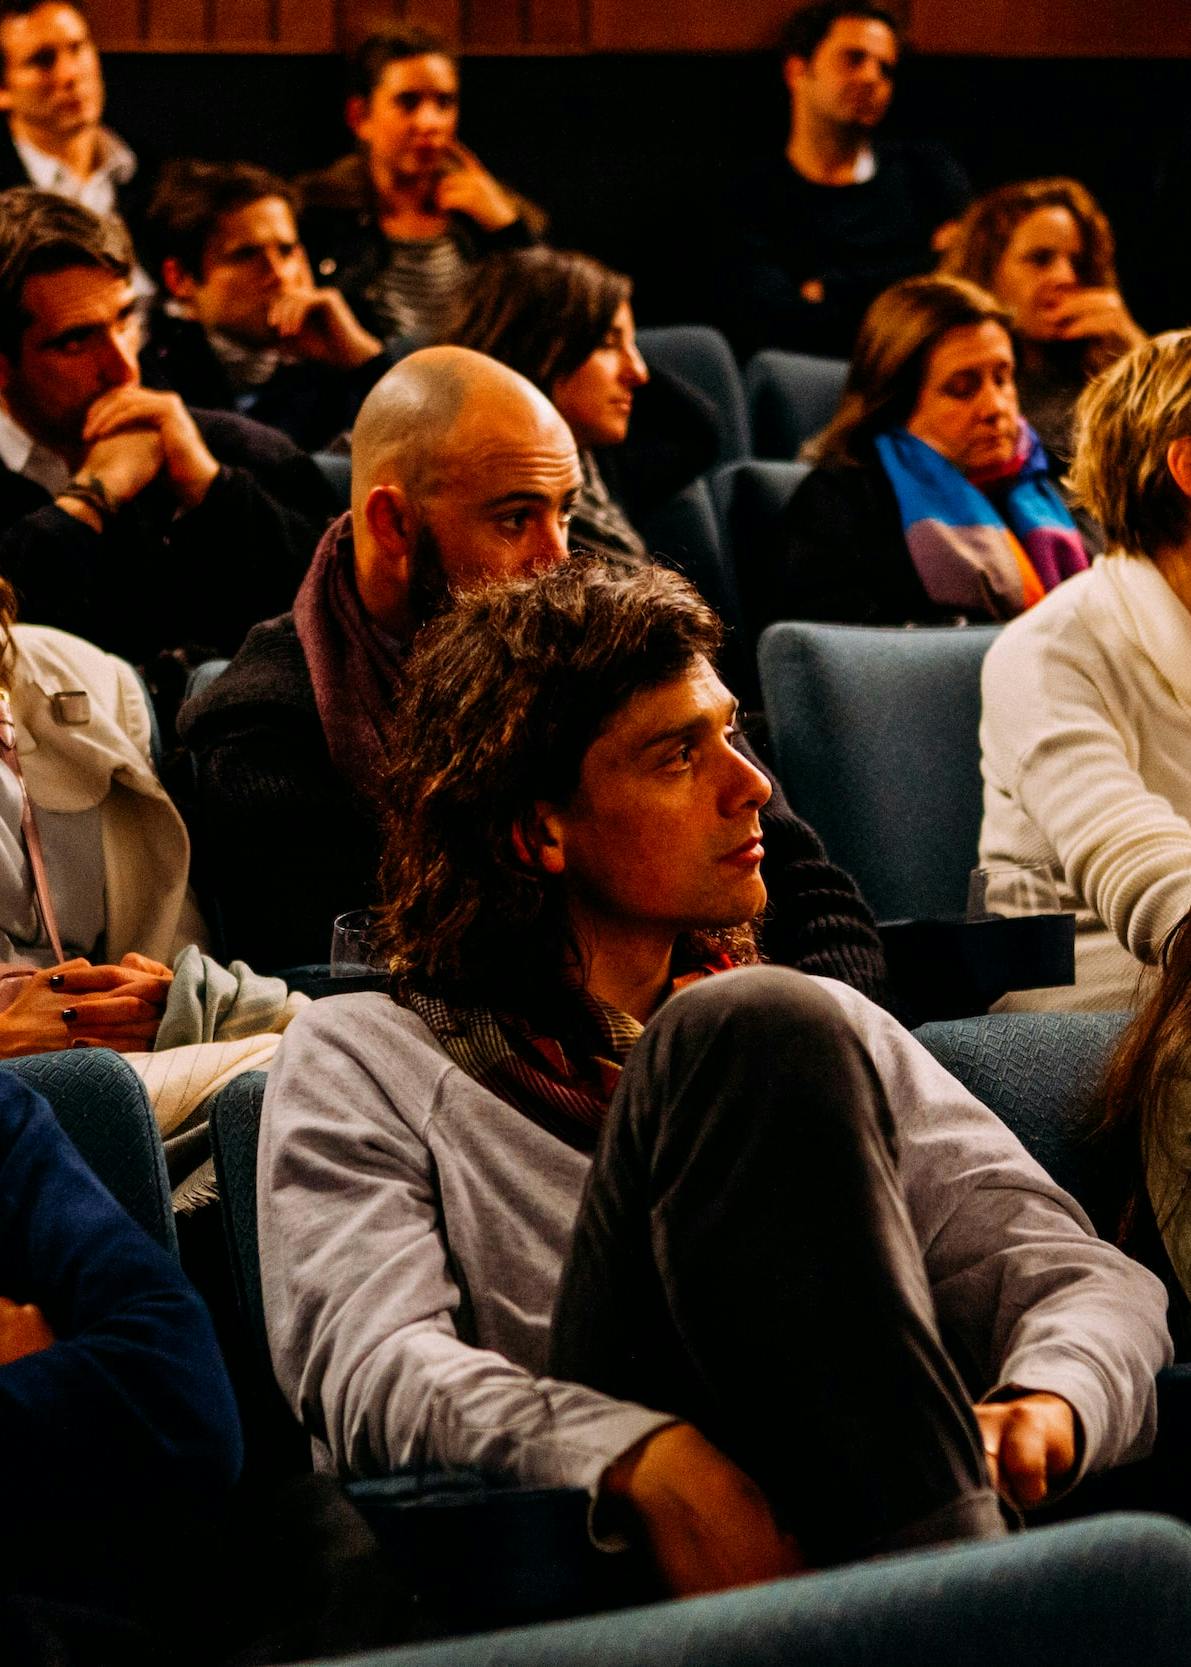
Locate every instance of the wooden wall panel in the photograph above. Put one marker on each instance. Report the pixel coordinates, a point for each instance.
(307, 25)
(1005, 28)
(176, 25)
(703, 25)
(559, 23)
(1056, 29)
(246, 25)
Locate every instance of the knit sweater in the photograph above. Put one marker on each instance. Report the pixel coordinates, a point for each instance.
(284, 844)
(1086, 742)
(413, 1228)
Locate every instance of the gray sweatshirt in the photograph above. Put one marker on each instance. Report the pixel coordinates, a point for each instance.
(413, 1229)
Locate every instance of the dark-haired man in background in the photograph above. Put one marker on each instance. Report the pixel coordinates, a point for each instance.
(817, 233)
(52, 94)
(245, 327)
(397, 223)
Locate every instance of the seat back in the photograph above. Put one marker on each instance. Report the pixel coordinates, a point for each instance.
(701, 356)
(102, 1105)
(876, 741)
(1040, 1073)
(750, 501)
(791, 396)
(336, 470)
(201, 677)
(235, 1130)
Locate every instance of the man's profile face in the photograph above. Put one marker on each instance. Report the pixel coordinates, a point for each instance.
(506, 481)
(848, 79)
(663, 833)
(53, 84)
(408, 120)
(82, 340)
(252, 256)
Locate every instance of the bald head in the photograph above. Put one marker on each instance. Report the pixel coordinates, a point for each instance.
(405, 434)
(461, 464)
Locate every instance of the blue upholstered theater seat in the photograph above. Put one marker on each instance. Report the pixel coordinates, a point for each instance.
(701, 356)
(792, 396)
(101, 1103)
(876, 741)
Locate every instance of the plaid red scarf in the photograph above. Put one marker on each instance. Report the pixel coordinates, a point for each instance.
(562, 1082)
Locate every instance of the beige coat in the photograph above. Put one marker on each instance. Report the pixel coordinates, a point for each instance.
(106, 762)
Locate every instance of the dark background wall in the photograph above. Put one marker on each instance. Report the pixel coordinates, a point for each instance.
(632, 154)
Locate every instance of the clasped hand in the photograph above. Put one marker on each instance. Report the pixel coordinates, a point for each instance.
(76, 1004)
(134, 433)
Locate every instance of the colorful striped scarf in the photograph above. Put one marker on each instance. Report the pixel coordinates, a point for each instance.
(991, 544)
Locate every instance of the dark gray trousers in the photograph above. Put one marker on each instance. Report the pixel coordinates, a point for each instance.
(744, 1258)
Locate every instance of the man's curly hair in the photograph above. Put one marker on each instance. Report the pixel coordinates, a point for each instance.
(502, 699)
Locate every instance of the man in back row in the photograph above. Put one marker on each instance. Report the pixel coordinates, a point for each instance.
(398, 223)
(243, 326)
(461, 472)
(817, 234)
(593, 1202)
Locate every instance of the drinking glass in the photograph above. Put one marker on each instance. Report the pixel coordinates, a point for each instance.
(354, 951)
(1025, 889)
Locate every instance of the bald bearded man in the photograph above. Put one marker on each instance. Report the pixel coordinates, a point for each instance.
(462, 472)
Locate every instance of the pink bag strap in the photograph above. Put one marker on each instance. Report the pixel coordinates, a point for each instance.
(9, 754)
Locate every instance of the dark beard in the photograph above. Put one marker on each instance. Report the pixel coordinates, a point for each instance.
(429, 590)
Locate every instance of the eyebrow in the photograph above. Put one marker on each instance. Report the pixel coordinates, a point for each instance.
(512, 500)
(79, 332)
(694, 725)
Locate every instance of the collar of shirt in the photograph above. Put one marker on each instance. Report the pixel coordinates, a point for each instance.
(24, 455)
(116, 166)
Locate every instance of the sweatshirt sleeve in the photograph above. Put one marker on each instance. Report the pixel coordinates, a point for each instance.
(1051, 743)
(363, 1305)
(132, 1399)
(1026, 1294)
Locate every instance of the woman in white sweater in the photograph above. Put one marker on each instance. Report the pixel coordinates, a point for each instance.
(1086, 731)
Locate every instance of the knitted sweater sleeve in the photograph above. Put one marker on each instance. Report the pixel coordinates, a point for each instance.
(1065, 750)
(815, 919)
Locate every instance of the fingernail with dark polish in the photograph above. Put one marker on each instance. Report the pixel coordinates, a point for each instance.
(57, 980)
(69, 1015)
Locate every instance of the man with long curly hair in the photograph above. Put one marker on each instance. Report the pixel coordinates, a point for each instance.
(591, 1200)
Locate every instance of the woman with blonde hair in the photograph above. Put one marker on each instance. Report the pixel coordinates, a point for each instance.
(1045, 249)
(1086, 730)
(931, 501)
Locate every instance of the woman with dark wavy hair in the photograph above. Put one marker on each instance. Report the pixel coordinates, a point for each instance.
(1045, 249)
(565, 321)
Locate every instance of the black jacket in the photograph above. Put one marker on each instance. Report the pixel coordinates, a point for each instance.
(347, 247)
(312, 403)
(154, 580)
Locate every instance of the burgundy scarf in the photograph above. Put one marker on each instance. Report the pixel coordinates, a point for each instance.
(563, 1084)
(354, 666)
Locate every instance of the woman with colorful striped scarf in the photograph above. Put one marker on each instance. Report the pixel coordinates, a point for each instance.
(931, 502)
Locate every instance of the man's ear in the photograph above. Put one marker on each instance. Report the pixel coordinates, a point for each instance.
(177, 279)
(1178, 461)
(538, 839)
(355, 113)
(390, 519)
(793, 70)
